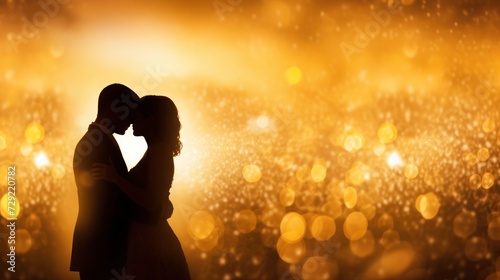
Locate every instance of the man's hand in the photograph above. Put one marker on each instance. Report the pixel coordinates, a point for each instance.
(101, 171)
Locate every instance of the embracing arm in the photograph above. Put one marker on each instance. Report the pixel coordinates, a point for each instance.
(140, 196)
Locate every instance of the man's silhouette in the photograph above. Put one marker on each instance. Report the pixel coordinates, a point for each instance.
(100, 236)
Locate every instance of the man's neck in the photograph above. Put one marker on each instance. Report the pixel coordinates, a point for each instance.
(101, 123)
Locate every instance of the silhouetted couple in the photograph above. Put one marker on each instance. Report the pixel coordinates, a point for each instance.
(122, 230)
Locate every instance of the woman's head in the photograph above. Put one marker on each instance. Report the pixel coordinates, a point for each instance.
(157, 118)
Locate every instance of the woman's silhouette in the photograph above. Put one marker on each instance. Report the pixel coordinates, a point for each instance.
(154, 250)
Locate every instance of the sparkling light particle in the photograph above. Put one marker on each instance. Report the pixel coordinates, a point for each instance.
(15, 209)
(251, 173)
(263, 121)
(353, 141)
(33, 222)
(488, 180)
(483, 154)
(293, 75)
(23, 241)
(494, 229)
(26, 149)
(368, 210)
(411, 171)
(474, 181)
(201, 224)
(323, 228)
(41, 160)
(429, 205)
(318, 172)
(357, 174)
(291, 253)
(387, 133)
(364, 246)
(350, 197)
(476, 248)
(390, 238)
(292, 227)
(488, 125)
(385, 222)
(394, 160)
(379, 149)
(392, 263)
(34, 133)
(287, 197)
(245, 221)
(465, 224)
(58, 171)
(355, 226)
(317, 268)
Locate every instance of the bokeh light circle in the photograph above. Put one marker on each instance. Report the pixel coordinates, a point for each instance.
(251, 173)
(355, 226)
(293, 227)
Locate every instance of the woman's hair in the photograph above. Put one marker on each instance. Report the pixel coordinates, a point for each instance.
(166, 119)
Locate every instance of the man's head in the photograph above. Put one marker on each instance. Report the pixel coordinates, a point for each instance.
(116, 107)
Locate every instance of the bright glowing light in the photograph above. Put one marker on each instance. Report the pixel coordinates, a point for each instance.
(4, 210)
(132, 147)
(293, 75)
(34, 133)
(263, 121)
(394, 160)
(251, 173)
(387, 133)
(41, 160)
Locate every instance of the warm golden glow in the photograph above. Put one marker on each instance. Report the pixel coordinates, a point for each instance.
(321, 139)
(387, 133)
(488, 125)
(364, 246)
(41, 160)
(429, 205)
(353, 141)
(318, 172)
(394, 160)
(287, 196)
(488, 180)
(3, 141)
(350, 197)
(323, 228)
(291, 252)
(355, 226)
(245, 221)
(292, 227)
(58, 171)
(34, 133)
(293, 75)
(411, 171)
(251, 173)
(201, 224)
(12, 202)
(465, 224)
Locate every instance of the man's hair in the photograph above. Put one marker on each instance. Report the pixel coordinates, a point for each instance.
(112, 93)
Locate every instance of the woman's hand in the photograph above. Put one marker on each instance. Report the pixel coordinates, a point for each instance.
(101, 171)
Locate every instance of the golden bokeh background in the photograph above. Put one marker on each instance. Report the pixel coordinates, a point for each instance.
(322, 139)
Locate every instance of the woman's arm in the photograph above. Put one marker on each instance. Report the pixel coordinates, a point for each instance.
(142, 197)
